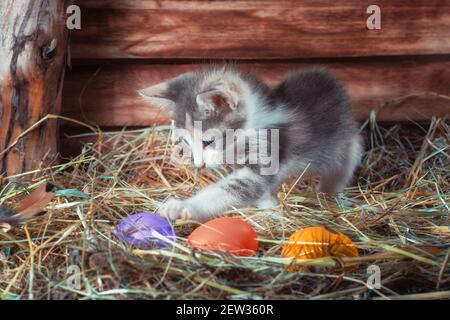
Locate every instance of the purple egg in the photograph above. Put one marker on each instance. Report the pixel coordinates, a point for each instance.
(145, 230)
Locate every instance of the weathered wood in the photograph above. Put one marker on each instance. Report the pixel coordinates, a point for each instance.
(33, 50)
(259, 29)
(107, 96)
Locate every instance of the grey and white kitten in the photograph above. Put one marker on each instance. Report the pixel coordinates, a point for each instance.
(317, 133)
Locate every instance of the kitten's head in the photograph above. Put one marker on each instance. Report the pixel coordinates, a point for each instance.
(204, 104)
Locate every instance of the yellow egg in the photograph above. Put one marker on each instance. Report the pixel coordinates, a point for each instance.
(318, 242)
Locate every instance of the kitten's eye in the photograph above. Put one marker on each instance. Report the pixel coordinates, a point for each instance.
(207, 143)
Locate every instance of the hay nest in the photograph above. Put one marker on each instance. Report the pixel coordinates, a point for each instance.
(397, 213)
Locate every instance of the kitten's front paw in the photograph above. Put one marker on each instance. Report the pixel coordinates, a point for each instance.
(176, 209)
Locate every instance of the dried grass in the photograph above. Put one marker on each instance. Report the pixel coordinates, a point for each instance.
(397, 213)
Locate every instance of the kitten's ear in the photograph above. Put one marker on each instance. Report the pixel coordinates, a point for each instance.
(215, 101)
(157, 95)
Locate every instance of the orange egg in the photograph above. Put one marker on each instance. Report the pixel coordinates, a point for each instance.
(318, 242)
(226, 234)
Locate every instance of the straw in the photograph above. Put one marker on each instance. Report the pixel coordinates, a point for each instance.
(397, 213)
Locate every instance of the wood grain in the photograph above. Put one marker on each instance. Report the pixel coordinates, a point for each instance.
(33, 50)
(107, 95)
(259, 29)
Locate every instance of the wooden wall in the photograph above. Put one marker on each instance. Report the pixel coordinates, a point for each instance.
(126, 45)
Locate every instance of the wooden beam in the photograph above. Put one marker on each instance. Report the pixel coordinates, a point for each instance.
(33, 50)
(107, 95)
(262, 29)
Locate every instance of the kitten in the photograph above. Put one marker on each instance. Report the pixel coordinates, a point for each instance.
(309, 112)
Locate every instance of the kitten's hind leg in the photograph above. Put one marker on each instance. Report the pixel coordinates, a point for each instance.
(334, 182)
(338, 178)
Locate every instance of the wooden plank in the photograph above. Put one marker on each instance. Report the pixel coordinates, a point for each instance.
(259, 29)
(33, 52)
(107, 95)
